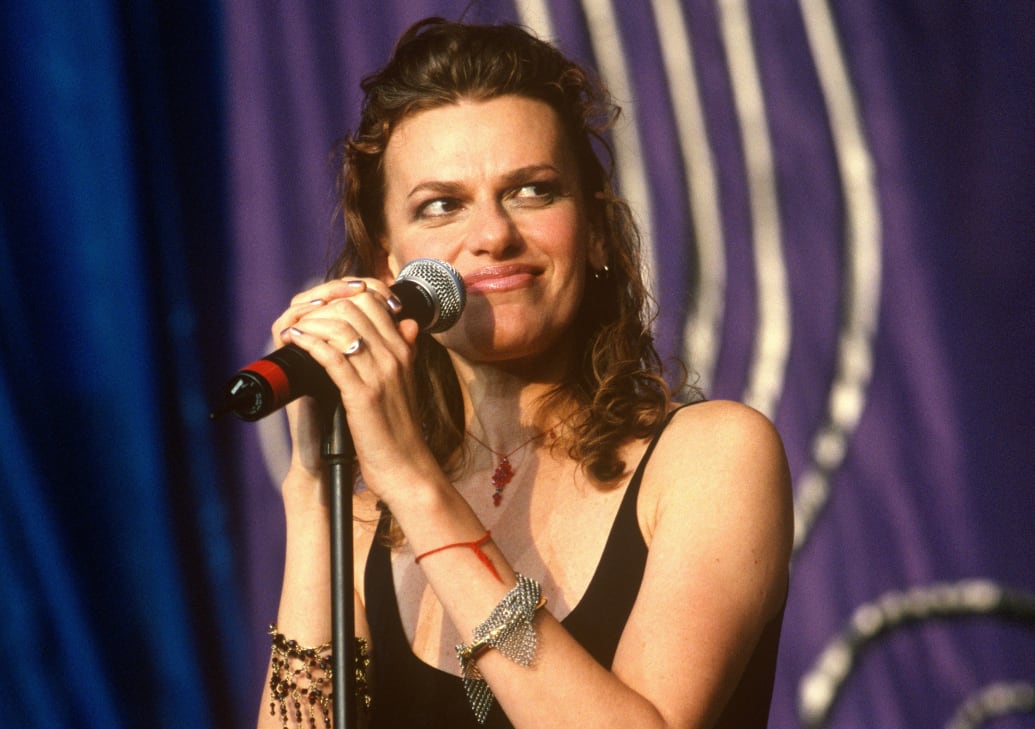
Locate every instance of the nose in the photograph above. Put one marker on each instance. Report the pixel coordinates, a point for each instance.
(492, 231)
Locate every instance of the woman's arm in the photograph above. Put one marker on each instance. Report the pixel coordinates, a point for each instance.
(304, 612)
(718, 565)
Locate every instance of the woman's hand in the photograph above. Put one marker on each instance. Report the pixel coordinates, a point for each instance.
(349, 328)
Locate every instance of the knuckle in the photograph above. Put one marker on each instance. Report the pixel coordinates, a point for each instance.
(393, 369)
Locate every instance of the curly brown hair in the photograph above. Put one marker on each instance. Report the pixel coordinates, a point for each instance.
(616, 384)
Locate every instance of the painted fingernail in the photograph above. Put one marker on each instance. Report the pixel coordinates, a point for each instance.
(290, 330)
(394, 305)
(356, 285)
(317, 302)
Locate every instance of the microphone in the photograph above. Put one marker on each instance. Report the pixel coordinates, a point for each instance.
(432, 294)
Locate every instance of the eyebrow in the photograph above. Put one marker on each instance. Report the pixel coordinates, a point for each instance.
(449, 187)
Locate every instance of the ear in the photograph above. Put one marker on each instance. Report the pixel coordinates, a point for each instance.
(596, 254)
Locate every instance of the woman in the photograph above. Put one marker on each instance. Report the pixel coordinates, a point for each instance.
(525, 472)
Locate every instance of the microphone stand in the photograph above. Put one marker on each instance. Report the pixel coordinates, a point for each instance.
(339, 453)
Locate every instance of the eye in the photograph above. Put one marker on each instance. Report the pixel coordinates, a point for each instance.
(437, 208)
(535, 193)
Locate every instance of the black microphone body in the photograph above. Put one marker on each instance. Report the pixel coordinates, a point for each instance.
(431, 293)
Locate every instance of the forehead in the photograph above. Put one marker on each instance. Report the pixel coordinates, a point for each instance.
(475, 139)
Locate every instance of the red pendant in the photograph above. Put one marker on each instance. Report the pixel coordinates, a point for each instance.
(500, 478)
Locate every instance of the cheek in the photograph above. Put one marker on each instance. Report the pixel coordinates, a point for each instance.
(404, 248)
(576, 292)
(577, 258)
(565, 237)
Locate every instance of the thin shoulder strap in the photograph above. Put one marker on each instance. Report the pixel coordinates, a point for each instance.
(654, 441)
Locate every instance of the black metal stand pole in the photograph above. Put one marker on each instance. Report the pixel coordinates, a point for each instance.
(339, 454)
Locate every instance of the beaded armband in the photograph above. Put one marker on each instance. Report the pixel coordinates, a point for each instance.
(302, 678)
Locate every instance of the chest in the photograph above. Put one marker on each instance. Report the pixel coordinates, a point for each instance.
(553, 528)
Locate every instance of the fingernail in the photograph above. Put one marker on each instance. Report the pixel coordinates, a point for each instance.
(394, 305)
(290, 330)
(357, 285)
(317, 302)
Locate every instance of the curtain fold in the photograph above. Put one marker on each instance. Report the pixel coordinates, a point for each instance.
(119, 571)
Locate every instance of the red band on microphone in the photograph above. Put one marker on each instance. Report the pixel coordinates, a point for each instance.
(275, 376)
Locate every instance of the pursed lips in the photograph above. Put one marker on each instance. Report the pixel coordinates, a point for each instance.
(499, 278)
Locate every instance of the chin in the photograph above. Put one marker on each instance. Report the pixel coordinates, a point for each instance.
(488, 336)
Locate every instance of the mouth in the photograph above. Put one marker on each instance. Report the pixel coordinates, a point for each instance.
(504, 277)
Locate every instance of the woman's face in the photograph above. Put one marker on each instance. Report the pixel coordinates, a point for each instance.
(492, 188)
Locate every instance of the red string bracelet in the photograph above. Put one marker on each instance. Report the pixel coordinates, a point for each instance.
(475, 546)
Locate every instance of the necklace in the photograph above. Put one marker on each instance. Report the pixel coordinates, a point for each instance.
(504, 472)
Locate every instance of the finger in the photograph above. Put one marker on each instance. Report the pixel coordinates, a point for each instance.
(376, 297)
(388, 298)
(353, 347)
(367, 377)
(338, 288)
(380, 296)
(332, 353)
(304, 303)
(292, 316)
(372, 314)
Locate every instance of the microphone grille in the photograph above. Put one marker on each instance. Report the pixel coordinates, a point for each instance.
(443, 285)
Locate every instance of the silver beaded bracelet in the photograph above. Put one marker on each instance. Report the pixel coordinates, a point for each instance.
(509, 630)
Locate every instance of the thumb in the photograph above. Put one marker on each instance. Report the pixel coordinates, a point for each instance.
(408, 330)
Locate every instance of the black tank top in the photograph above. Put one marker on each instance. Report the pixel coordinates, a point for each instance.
(407, 693)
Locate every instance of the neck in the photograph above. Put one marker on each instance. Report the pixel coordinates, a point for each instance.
(504, 405)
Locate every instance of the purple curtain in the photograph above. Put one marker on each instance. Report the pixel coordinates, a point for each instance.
(839, 203)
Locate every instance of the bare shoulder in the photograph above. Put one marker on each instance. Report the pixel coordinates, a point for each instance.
(721, 438)
(718, 482)
(729, 415)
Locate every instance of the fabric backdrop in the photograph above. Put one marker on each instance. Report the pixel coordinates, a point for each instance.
(837, 198)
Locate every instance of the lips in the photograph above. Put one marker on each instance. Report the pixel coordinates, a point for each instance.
(502, 277)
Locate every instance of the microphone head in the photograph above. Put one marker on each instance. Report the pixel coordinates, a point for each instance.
(444, 288)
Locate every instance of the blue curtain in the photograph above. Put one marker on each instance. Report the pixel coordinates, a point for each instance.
(164, 188)
(118, 591)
